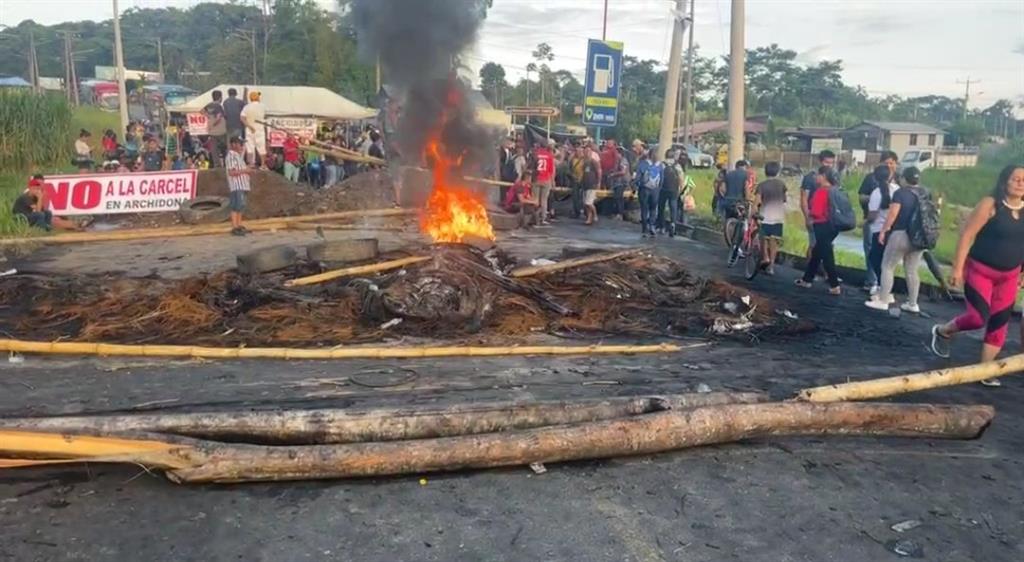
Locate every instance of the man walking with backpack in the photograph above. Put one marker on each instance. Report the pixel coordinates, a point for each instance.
(671, 181)
(910, 228)
(648, 187)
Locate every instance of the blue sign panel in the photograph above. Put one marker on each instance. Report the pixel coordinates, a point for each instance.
(601, 92)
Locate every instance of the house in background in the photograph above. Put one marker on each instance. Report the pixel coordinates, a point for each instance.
(813, 139)
(899, 137)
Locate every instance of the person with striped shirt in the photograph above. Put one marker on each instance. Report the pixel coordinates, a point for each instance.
(238, 184)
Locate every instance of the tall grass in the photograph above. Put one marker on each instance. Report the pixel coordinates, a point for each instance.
(10, 188)
(34, 130)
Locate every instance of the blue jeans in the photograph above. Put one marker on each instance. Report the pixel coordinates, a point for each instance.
(618, 193)
(668, 211)
(872, 277)
(648, 209)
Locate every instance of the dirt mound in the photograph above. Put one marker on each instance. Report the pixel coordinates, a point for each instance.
(461, 293)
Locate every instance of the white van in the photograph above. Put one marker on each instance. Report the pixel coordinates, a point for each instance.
(943, 158)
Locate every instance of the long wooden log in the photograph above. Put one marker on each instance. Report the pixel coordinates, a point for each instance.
(336, 425)
(355, 270)
(192, 351)
(275, 223)
(571, 263)
(902, 384)
(637, 435)
(194, 461)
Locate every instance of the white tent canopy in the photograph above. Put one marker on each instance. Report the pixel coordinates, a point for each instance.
(289, 101)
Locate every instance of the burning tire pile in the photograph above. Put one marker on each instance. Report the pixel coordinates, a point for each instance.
(459, 293)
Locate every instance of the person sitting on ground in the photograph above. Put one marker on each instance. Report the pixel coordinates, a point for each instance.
(771, 204)
(895, 237)
(819, 215)
(988, 266)
(153, 157)
(877, 212)
(238, 184)
(83, 152)
(32, 206)
(523, 201)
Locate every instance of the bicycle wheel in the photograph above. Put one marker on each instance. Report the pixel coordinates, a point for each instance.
(728, 229)
(752, 262)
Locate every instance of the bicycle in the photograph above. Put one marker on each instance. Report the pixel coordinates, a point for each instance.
(742, 235)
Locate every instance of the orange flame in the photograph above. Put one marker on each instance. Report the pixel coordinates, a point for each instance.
(453, 211)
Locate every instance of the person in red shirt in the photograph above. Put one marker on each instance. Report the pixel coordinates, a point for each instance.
(520, 199)
(545, 177)
(824, 232)
(609, 162)
(292, 158)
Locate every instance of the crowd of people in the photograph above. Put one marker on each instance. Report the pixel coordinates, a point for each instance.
(148, 146)
(659, 183)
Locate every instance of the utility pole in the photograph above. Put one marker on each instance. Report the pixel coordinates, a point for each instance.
(68, 63)
(672, 81)
(160, 58)
(688, 92)
(252, 41)
(122, 92)
(604, 26)
(967, 92)
(737, 85)
(33, 66)
(378, 75)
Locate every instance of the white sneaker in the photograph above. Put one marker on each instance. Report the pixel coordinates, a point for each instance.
(907, 307)
(876, 304)
(874, 290)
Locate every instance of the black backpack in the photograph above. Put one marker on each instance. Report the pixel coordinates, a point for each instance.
(670, 181)
(508, 166)
(924, 223)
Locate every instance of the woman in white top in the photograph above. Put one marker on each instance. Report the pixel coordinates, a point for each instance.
(878, 212)
(83, 152)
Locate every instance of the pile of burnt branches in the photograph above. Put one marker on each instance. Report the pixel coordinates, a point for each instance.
(459, 293)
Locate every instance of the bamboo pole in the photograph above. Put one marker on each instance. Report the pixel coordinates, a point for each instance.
(195, 461)
(274, 223)
(345, 155)
(571, 263)
(342, 425)
(191, 351)
(326, 147)
(902, 384)
(356, 270)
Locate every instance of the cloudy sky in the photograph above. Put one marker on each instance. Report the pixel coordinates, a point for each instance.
(905, 47)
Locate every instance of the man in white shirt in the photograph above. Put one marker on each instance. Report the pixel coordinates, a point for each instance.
(253, 116)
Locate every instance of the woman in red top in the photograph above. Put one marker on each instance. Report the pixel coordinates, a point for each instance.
(292, 158)
(824, 232)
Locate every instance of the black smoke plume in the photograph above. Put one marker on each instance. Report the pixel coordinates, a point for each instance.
(418, 42)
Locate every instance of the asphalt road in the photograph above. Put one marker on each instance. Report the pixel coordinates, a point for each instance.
(771, 500)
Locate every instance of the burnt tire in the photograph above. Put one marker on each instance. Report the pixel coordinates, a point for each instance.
(266, 259)
(343, 250)
(208, 209)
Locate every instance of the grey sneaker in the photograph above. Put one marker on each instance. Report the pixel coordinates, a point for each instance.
(940, 343)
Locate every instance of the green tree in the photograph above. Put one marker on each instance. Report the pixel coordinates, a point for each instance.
(492, 82)
(543, 55)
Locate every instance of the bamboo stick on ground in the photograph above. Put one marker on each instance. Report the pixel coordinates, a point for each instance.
(336, 425)
(902, 384)
(196, 461)
(355, 270)
(275, 223)
(191, 351)
(571, 263)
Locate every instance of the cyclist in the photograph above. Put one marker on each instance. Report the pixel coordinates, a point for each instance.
(734, 189)
(770, 196)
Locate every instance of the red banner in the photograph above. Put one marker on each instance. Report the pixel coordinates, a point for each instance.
(107, 194)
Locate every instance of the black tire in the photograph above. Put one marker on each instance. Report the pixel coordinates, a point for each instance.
(752, 262)
(343, 250)
(266, 259)
(207, 209)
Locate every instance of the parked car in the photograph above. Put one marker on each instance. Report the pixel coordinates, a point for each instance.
(698, 159)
